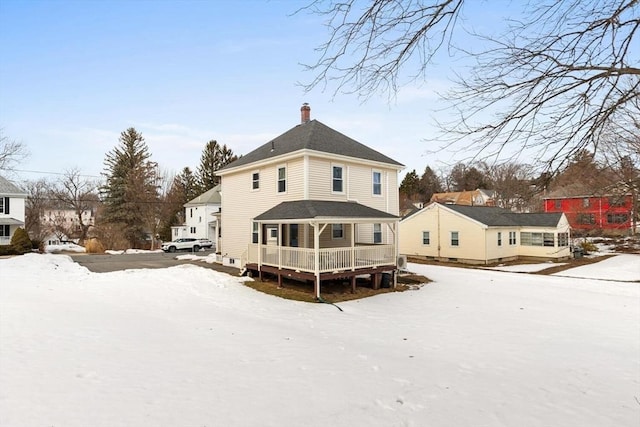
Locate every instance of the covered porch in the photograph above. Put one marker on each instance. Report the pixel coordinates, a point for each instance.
(324, 240)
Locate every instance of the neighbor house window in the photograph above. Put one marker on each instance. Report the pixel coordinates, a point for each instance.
(512, 238)
(4, 205)
(558, 204)
(585, 219)
(617, 218)
(282, 179)
(585, 202)
(455, 239)
(337, 179)
(499, 238)
(191, 213)
(193, 230)
(337, 231)
(377, 233)
(5, 231)
(426, 239)
(548, 239)
(254, 232)
(255, 180)
(563, 239)
(377, 183)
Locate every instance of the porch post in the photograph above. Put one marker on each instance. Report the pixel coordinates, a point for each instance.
(353, 247)
(396, 251)
(316, 256)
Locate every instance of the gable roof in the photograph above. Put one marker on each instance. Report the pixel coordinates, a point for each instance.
(316, 136)
(211, 196)
(467, 197)
(8, 188)
(315, 209)
(498, 217)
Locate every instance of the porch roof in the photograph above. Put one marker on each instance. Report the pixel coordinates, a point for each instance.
(325, 211)
(10, 221)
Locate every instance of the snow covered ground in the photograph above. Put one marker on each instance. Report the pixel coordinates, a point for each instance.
(188, 346)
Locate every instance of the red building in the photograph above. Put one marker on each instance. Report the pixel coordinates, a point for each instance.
(586, 213)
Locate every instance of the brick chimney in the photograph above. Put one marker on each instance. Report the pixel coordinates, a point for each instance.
(305, 113)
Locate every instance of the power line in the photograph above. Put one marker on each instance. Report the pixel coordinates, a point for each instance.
(53, 173)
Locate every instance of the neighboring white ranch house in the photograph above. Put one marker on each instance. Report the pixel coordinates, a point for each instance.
(202, 217)
(11, 210)
(312, 204)
(483, 234)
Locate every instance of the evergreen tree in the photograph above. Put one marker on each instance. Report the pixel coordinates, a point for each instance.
(130, 194)
(429, 184)
(410, 185)
(214, 157)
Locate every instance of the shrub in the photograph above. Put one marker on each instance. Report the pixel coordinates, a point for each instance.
(93, 246)
(7, 250)
(21, 241)
(588, 247)
(37, 244)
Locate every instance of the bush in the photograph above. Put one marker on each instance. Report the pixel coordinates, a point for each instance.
(37, 244)
(7, 250)
(588, 247)
(20, 241)
(93, 246)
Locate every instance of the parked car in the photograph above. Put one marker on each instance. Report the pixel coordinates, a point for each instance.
(206, 243)
(186, 244)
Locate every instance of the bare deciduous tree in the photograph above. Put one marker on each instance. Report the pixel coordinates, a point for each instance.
(11, 152)
(74, 191)
(554, 81)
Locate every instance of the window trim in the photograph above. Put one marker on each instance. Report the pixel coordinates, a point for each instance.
(373, 183)
(283, 180)
(335, 166)
(255, 183)
(428, 239)
(379, 233)
(499, 238)
(333, 232)
(457, 239)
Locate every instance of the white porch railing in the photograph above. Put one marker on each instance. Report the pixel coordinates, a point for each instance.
(330, 259)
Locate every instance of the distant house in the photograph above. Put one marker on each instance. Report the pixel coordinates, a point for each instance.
(608, 213)
(202, 217)
(313, 204)
(12, 201)
(62, 225)
(477, 197)
(483, 234)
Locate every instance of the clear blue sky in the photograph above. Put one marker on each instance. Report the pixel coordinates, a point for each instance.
(74, 74)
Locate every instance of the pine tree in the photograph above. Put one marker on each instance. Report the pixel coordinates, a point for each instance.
(130, 194)
(214, 157)
(429, 184)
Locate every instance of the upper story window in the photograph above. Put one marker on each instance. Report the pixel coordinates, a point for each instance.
(377, 233)
(377, 183)
(616, 202)
(337, 180)
(255, 180)
(585, 202)
(558, 204)
(4, 205)
(282, 179)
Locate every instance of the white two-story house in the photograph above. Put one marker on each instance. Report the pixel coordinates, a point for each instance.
(312, 204)
(11, 210)
(202, 217)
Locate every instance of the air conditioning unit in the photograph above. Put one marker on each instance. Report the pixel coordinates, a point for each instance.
(402, 262)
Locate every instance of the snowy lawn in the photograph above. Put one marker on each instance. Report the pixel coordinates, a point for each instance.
(188, 346)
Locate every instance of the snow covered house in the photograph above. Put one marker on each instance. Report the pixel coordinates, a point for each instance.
(312, 204)
(483, 234)
(202, 217)
(12, 200)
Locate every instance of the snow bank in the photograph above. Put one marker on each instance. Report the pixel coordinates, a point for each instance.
(188, 346)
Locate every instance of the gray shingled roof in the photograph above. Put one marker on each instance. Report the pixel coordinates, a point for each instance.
(8, 188)
(310, 209)
(312, 135)
(498, 217)
(209, 196)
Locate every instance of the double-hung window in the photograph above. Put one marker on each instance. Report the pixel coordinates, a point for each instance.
(337, 184)
(455, 238)
(337, 231)
(255, 181)
(512, 238)
(376, 178)
(377, 233)
(499, 238)
(426, 238)
(282, 179)
(254, 232)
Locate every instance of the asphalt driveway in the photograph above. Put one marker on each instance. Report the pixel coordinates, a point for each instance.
(103, 263)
